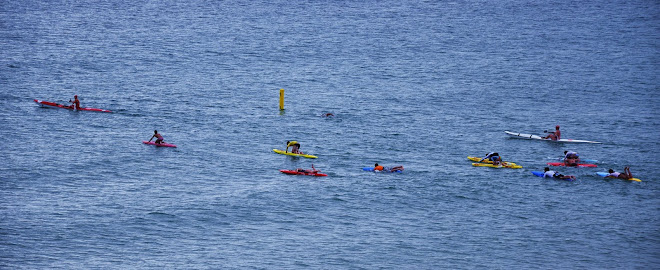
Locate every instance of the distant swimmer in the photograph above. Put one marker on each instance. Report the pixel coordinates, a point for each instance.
(328, 115)
(553, 174)
(556, 135)
(295, 147)
(626, 174)
(494, 157)
(75, 104)
(159, 138)
(571, 158)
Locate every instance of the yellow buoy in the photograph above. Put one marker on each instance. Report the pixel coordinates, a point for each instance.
(281, 99)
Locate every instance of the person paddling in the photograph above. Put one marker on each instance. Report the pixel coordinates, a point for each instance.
(159, 138)
(75, 104)
(571, 158)
(494, 157)
(626, 174)
(393, 169)
(312, 171)
(295, 147)
(555, 136)
(553, 174)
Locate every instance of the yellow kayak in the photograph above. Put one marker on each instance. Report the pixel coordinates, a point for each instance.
(281, 152)
(476, 159)
(496, 166)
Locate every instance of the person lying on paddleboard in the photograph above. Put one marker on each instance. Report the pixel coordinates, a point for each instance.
(159, 138)
(626, 174)
(75, 104)
(571, 158)
(553, 135)
(313, 170)
(295, 147)
(553, 174)
(393, 169)
(494, 157)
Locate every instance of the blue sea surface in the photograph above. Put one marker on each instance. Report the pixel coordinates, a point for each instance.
(422, 84)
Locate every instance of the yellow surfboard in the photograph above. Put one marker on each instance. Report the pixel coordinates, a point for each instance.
(496, 166)
(281, 152)
(476, 159)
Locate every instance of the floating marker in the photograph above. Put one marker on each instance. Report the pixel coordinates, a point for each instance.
(281, 99)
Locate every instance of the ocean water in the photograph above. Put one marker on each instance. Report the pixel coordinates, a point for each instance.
(421, 84)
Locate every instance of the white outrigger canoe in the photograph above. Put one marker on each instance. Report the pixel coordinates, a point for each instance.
(537, 137)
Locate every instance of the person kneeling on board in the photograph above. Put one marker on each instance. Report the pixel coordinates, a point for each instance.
(553, 135)
(295, 147)
(571, 158)
(553, 174)
(626, 174)
(494, 157)
(159, 138)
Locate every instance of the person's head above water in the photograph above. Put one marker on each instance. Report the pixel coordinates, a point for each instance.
(155, 131)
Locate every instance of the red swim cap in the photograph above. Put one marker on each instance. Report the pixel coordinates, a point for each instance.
(557, 127)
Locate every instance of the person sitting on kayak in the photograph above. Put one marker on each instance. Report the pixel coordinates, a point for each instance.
(626, 174)
(553, 135)
(159, 138)
(494, 157)
(75, 104)
(571, 158)
(553, 174)
(295, 147)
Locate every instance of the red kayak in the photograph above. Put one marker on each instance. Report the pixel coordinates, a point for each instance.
(304, 172)
(55, 105)
(579, 165)
(160, 144)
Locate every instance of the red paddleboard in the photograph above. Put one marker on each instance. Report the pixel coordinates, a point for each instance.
(579, 165)
(310, 173)
(55, 105)
(159, 145)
